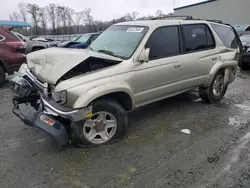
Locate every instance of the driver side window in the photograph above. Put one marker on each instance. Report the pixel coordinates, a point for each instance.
(164, 42)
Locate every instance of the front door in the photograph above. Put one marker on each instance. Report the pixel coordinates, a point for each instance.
(157, 78)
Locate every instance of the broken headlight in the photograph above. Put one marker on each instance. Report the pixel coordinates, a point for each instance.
(60, 97)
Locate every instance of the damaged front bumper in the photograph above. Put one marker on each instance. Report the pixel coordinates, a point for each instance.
(44, 122)
(48, 115)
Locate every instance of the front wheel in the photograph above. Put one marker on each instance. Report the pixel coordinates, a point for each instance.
(108, 123)
(216, 90)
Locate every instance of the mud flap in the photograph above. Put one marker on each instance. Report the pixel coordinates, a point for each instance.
(45, 123)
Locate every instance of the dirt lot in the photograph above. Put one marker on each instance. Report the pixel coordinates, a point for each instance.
(153, 154)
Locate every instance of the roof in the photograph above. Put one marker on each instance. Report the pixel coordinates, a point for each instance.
(14, 23)
(192, 5)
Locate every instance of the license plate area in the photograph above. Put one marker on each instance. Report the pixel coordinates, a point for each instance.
(47, 120)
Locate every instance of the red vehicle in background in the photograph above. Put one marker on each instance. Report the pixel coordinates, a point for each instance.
(12, 52)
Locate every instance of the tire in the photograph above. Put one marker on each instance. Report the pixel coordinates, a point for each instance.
(79, 137)
(242, 65)
(2, 76)
(210, 95)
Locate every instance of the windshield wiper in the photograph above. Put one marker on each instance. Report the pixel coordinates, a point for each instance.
(108, 52)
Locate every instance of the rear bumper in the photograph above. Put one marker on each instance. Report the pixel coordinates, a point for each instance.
(52, 126)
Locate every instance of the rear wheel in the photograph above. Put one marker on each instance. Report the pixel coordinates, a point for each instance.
(242, 64)
(108, 123)
(216, 90)
(2, 76)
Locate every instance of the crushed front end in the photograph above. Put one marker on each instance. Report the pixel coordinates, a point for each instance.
(47, 115)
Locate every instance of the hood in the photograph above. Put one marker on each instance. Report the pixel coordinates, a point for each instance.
(51, 64)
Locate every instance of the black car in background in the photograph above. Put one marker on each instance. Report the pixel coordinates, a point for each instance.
(245, 39)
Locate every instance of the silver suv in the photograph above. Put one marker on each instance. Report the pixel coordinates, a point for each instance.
(84, 95)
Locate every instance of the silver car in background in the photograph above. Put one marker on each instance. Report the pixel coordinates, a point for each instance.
(31, 45)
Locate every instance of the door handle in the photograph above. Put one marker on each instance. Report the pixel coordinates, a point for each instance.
(177, 66)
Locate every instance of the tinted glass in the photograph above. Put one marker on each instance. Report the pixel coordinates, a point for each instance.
(164, 42)
(121, 40)
(93, 37)
(226, 35)
(197, 37)
(1, 38)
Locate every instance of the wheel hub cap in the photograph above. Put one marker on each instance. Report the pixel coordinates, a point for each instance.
(100, 128)
(218, 85)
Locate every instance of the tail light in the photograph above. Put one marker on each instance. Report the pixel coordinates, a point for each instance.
(19, 46)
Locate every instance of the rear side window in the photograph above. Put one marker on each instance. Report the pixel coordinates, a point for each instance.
(227, 36)
(197, 37)
(164, 42)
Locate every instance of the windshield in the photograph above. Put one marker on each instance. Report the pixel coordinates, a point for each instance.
(84, 38)
(245, 38)
(119, 40)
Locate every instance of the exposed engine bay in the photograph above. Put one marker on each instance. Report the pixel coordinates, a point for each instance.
(88, 65)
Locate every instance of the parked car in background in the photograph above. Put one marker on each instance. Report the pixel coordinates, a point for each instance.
(32, 45)
(86, 94)
(50, 42)
(82, 41)
(64, 43)
(245, 62)
(12, 50)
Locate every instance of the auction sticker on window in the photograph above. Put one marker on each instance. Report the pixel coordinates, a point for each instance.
(135, 29)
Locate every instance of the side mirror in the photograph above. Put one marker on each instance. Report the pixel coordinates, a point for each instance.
(144, 57)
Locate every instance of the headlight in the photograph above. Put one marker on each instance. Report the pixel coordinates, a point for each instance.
(60, 97)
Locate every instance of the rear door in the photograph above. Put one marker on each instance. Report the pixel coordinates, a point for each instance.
(230, 39)
(199, 55)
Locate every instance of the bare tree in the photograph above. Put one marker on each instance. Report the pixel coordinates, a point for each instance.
(70, 12)
(14, 16)
(23, 12)
(51, 9)
(11, 17)
(132, 16)
(34, 10)
(62, 17)
(43, 17)
(79, 17)
(88, 18)
(159, 13)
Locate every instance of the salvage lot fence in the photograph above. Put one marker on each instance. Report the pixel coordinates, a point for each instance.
(60, 38)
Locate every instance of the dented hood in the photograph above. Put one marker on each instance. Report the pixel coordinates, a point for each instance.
(51, 64)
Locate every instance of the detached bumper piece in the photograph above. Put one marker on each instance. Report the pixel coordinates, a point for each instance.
(44, 122)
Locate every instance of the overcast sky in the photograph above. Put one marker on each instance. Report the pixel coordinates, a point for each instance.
(103, 9)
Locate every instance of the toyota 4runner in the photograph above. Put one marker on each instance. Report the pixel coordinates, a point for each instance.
(84, 95)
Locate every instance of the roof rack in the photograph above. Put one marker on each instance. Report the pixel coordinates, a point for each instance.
(175, 16)
(185, 17)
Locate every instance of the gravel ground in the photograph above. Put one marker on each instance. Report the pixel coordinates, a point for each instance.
(153, 154)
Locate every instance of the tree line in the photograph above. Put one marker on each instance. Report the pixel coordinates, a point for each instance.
(55, 19)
